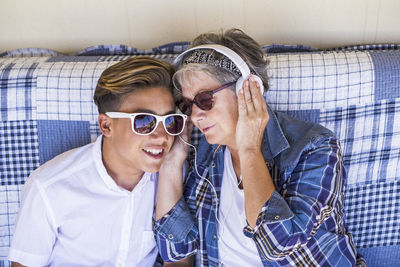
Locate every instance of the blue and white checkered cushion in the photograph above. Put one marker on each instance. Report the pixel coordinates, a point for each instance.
(46, 108)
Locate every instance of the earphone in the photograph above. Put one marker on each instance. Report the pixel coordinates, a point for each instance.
(233, 56)
(202, 177)
(220, 223)
(209, 182)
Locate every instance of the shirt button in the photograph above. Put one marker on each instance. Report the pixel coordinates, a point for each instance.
(214, 236)
(277, 217)
(213, 164)
(170, 236)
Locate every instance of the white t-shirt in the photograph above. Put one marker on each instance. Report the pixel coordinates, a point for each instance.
(74, 214)
(234, 248)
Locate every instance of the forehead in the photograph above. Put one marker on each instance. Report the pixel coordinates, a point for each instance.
(157, 100)
(193, 82)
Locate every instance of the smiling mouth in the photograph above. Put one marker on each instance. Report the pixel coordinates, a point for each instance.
(154, 153)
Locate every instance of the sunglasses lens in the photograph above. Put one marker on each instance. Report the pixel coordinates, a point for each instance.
(204, 100)
(144, 124)
(174, 124)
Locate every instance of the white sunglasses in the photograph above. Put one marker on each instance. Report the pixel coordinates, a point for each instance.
(146, 123)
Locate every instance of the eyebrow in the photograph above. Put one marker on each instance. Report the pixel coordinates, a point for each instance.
(152, 112)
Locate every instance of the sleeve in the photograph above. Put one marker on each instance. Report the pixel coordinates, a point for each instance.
(35, 231)
(311, 192)
(176, 232)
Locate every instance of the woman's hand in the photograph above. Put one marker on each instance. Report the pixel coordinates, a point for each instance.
(253, 117)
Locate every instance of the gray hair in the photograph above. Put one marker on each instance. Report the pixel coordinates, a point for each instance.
(245, 46)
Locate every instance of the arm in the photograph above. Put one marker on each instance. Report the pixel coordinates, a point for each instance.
(16, 264)
(282, 222)
(313, 191)
(35, 230)
(186, 262)
(170, 180)
(253, 118)
(176, 233)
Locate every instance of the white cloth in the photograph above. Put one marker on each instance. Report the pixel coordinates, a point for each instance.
(74, 214)
(234, 248)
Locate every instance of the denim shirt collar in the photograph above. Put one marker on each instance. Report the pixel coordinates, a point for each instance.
(274, 141)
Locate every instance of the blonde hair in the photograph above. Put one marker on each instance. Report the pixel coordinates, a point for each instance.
(127, 76)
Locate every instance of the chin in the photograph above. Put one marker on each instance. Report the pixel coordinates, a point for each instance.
(152, 168)
(213, 140)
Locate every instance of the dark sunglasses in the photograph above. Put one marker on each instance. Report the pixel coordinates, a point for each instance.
(146, 123)
(204, 100)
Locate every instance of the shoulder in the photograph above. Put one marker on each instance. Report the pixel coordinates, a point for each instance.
(64, 165)
(299, 130)
(303, 137)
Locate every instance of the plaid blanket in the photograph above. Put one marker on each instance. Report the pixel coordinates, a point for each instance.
(46, 108)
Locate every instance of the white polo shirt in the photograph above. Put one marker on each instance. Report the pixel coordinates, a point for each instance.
(74, 214)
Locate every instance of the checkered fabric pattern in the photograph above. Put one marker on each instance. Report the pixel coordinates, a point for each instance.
(65, 91)
(17, 80)
(354, 91)
(19, 151)
(371, 215)
(110, 50)
(30, 52)
(370, 140)
(10, 196)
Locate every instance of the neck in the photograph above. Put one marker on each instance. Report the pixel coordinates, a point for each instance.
(123, 173)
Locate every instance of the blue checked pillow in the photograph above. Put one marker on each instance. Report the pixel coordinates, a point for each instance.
(47, 108)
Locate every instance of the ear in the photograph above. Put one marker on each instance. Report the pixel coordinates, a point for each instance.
(104, 124)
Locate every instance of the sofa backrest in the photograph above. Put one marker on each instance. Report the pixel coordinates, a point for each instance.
(47, 108)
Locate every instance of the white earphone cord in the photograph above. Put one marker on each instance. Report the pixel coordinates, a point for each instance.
(220, 224)
(198, 174)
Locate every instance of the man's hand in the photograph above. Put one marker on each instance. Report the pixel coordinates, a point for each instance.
(179, 150)
(170, 180)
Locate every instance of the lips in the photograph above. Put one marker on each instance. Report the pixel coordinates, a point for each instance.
(204, 130)
(155, 153)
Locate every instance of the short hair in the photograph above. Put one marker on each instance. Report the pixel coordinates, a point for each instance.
(127, 76)
(242, 44)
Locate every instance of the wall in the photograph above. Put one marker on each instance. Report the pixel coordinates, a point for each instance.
(71, 25)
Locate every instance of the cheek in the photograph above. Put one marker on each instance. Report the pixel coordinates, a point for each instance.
(170, 141)
(227, 113)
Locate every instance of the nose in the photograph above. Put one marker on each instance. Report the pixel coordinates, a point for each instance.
(197, 114)
(160, 131)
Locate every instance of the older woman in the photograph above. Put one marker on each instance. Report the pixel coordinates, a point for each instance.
(266, 189)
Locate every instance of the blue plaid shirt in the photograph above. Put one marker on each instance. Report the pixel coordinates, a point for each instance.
(302, 224)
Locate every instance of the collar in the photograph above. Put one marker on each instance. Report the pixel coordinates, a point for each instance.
(108, 180)
(274, 141)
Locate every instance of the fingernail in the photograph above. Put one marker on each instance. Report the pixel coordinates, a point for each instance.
(252, 78)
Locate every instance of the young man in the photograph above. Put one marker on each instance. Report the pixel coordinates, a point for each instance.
(93, 205)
